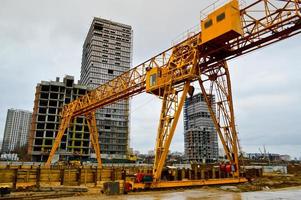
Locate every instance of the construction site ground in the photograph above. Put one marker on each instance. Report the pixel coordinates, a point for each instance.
(200, 193)
(266, 187)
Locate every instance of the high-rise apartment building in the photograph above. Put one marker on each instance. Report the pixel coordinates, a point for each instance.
(50, 97)
(16, 129)
(200, 137)
(107, 53)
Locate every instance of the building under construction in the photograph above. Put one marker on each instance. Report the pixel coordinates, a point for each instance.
(50, 97)
(200, 137)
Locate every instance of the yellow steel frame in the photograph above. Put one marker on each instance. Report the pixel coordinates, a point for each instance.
(170, 112)
(187, 183)
(65, 121)
(219, 80)
(186, 62)
(91, 121)
(181, 70)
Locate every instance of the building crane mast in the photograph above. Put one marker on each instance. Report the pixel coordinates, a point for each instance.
(226, 33)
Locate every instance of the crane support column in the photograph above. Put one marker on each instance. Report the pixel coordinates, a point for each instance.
(66, 118)
(218, 78)
(170, 112)
(91, 121)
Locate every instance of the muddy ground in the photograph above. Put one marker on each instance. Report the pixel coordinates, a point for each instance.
(267, 187)
(290, 193)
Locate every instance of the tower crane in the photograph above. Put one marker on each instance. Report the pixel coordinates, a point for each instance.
(228, 32)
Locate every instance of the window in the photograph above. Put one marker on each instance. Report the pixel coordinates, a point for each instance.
(49, 133)
(98, 27)
(39, 134)
(208, 23)
(42, 110)
(54, 88)
(54, 95)
(63, 146)
(152, 80)
(53, 103)
(220, 17)
(79, 120)
(44, 95)
(69, 83)
(50, 126)
(51, 118)
(48, 142)
(110, 71)
(78, 127)
(38, 142)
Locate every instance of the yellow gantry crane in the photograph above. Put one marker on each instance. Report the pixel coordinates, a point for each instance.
(226, 33)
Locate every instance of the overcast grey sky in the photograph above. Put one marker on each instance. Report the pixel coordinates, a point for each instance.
(40, 40)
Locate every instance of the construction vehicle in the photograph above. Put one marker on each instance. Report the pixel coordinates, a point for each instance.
(227, 32)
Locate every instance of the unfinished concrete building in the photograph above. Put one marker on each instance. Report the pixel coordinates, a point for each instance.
(16, 129)
(50, 97)
(107, 54)
(200, 137)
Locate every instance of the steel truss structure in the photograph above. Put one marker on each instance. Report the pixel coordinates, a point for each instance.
(263, 22)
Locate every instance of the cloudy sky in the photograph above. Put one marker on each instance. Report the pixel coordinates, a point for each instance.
(40, 40)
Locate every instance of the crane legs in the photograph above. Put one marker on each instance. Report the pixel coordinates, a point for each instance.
(63, 126)
(170, 112)
(91, 120)
(218, 78)
(66, 118)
